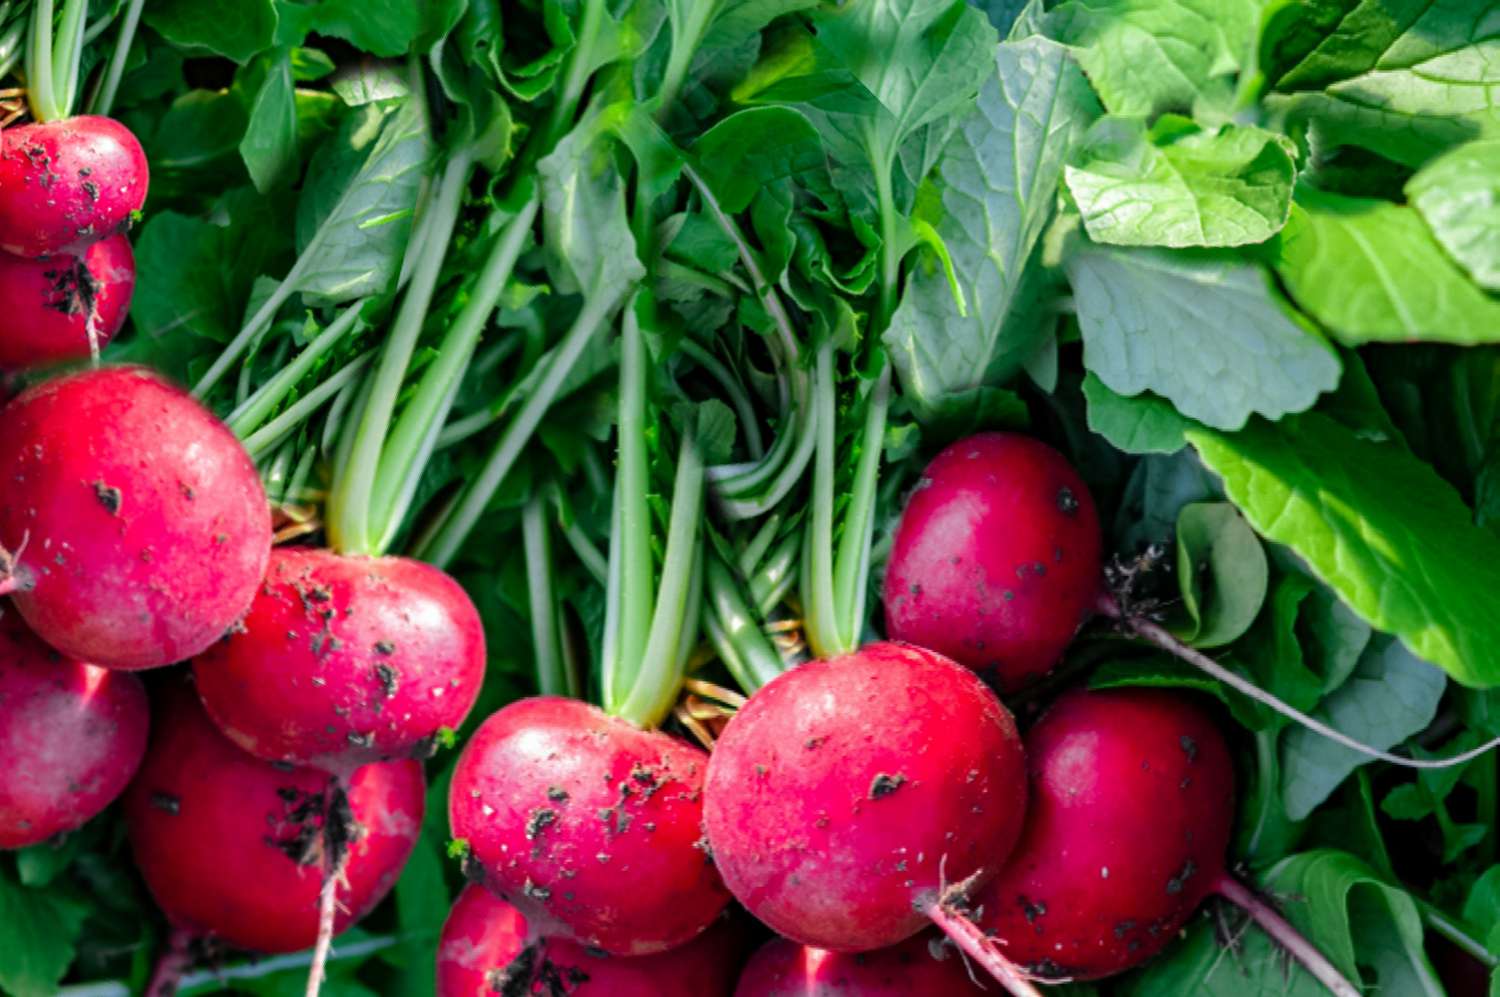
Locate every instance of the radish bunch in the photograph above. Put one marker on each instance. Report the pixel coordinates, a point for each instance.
(70, 186)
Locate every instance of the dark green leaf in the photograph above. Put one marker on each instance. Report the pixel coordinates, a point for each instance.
(1139, 424)
(269, 147)
(38, 932)
(236, 29)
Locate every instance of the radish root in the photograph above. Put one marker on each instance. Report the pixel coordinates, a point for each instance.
(340, 830)
(1154, 633)
(174, 962)
(1288, 937)
(951, 915)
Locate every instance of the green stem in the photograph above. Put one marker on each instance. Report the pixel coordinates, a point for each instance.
(674, 625)
(852, 563)
(402, 457)
(820, 611)
(350, 509)
(751, 554)
(12, 46)
(40, 92)
(739, 399)
(629, 605)
(735, 632)
(1456, 933)
(890, 259)
(595, 563)
(552, 674)
(687, 34)
(774, 578)
(245, 419)
(442, 544)
(104, 100)
(272, 433)
(574, 80)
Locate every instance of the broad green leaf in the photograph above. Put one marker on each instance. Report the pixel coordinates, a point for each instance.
(38, 932)
(1149, 56)
(355, 213)
(1180, 186)
(754, 148)
(1138, 424)
(1356, 919)
(998, 183)
(1270, 655)
(1405, 78)
(1370, 271)
(1458, 195)
(1207, 333)
(1392, 695)
(235, 29)
(883, 70)
(269, 147)
(586, 234)
(199, 131)
(1222, 571)
(1264, 833)
(1393, 539)
(384, 27)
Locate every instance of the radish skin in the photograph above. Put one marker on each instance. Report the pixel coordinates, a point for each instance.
(231, 846)
(67, 184)
(72, 735)
(487, 946)
(64, 307)
(782, 968)
(849, 792)
(996, 561)
(345, 660)
(1132, 809)
(590, 826)
(138, 524)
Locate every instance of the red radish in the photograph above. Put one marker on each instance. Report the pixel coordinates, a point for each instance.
(343, 661)
(138, 522)
(66, 184)
(230, 846)
(590, 826)
(782, 968)
(55, 304)
(72, 736)
(997, 559)
(1132, 807)
(487, 949)
(848, 792)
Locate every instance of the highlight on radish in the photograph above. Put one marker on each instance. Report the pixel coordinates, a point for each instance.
(923, 964)
(74, 734)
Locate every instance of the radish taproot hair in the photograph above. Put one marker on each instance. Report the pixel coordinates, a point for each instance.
(230, 845)
(64, 307)
(343, 661)
(996, 562)
(487, 948)
(782, 968)
(135, 525)
(72, 735)
(1132, 809)
(588, 825)
(849, 793)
